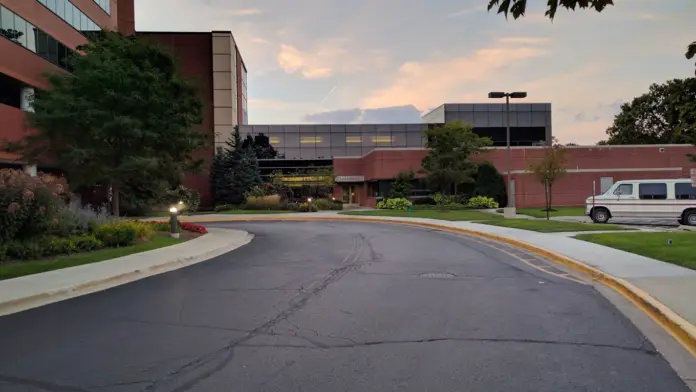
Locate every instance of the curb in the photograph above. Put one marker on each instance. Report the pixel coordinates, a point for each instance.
(681, 329)
(16, 305)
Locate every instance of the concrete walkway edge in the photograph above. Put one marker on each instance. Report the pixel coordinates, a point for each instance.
(677, 326)
(36, 290)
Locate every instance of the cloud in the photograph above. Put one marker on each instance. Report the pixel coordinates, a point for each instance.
(244, 12)
(524, 40)
(328, 59)
(259, 40)
(386, 115)
(649, 16)
(427, 83)
(468, 11)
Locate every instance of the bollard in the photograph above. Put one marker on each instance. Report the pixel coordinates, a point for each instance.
(173, 222)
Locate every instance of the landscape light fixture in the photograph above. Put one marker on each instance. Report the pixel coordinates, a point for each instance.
(510, 209)
(173, 222)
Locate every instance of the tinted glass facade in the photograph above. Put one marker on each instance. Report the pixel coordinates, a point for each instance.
(18, 30)
(67, 11)
(328, 141)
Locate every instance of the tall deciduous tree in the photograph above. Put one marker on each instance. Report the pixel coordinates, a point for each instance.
(518, 8)
(551, 168)
(124, 112)
(449, 160)
(666, 114)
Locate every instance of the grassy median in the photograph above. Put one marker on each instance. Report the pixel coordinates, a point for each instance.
(682, 250)
(449, 215)
(23, 268)
(550, 226)
(555, 211)
(254, 212)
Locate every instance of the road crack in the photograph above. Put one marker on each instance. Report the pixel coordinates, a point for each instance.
(220, 358)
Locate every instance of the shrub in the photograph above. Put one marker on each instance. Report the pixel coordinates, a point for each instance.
(258, 191)
(271, 202)
(116, 234)
(3, 253)
(75, 220)
(28, 205)
(190, 198)
(422, 200)
(306, 207)
(225, 207)
(87, 243)
(336, 205)
(400, 204)
(27, 249)
(322, 204)
(482, 202)
(193, 228)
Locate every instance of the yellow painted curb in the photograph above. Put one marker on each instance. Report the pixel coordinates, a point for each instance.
(681, 329)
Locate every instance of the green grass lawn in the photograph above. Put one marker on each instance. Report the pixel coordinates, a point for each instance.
(558, 211)
(654, 245)
(254, 212)
(22, 268)
(454, 215)
(550, 226)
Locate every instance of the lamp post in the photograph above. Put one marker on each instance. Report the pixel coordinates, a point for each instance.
(173, 222)
(510, 210)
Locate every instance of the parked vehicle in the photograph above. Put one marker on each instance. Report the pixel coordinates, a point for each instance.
(659, 199)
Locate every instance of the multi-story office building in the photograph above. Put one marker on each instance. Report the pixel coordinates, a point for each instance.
(212, 60)
(300, 146)
(36, 37)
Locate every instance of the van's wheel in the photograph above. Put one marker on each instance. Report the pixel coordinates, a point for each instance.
(689, 218)
(600, 215)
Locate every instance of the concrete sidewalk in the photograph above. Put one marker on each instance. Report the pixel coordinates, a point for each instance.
(671, 285)
(41, 289)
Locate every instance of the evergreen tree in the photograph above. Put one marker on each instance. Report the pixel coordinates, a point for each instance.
(246, 175)
(222, 171)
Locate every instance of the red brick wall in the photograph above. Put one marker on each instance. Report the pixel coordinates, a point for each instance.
(125, 13)
(194, 52)
(585, 165)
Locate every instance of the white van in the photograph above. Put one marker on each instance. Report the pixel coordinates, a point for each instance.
(659, 199)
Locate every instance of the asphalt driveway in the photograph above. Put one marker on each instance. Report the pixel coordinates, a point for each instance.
(337, 306)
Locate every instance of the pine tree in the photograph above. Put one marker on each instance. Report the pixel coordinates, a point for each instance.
(246, 174)
(222, 172)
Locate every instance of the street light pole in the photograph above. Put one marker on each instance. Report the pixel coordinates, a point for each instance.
(511, 196)
(510, 210)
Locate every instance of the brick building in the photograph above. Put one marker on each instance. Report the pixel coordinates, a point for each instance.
(36, 36)
(603, 165)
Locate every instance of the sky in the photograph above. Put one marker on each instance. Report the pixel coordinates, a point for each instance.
(390, 61)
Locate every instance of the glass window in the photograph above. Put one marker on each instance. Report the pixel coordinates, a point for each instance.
(292, 153)
(51, 4)
(20, 26)
(108, 7)
(398, 139)
(69, 12)
(414, 139)
(624, 189)
(31, 37)
(44, 2)
(60, 8)
(307, 152)
(52, 50)
(353, 140)
(338, 151)
(338, 139)
(42, 44)
(62, 55)
(276, 139)
(6, 19)
(83, 22)
(292, 140)
(354, 151)
(323, 153)
(684, 191)
(655, 191)
(76, 18)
